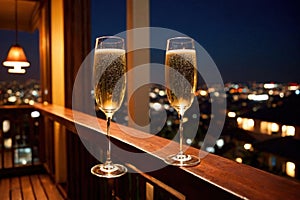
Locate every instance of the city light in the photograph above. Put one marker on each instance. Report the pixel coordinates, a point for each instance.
(268, 127)
(239, 120)
(35, 114)
(156, 106)
(270, 85)
(258, 97)
(12, 99)
(247, 146)
(220, 143)
(231, 114)
(189, 141)
(245, 123)
(274, 127)
(290, 169)
(203, 92)
(152, 95)
(31, 102)
(5, 126)
(239, 160)
(210, 149)
(293, 87)
(162, 93)
(288, 131)
(281, 94)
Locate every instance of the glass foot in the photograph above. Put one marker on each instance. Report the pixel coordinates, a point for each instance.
(182, 160)
(109, 171)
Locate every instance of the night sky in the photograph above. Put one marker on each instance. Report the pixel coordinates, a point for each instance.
(257, 40)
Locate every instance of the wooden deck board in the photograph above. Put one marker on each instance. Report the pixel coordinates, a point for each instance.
(15, 189)
(50, 188)
(27, 190)
(4, 189)
(39, 187)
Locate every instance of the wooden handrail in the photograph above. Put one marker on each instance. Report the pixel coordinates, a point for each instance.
(239, 180)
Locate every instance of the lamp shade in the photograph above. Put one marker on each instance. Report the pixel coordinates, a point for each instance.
(16, 57)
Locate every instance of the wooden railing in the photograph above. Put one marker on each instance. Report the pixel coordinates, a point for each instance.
(214, 178)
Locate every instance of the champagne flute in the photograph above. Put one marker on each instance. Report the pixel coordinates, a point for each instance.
(109, 90)
(181, 81)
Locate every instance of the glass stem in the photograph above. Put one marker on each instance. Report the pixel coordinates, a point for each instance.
(180, 115)
(108, 153)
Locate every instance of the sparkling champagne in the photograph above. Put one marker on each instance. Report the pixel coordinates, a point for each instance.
(181, 78)
(110, 80)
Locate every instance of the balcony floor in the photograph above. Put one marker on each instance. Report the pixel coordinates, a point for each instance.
(38, 186)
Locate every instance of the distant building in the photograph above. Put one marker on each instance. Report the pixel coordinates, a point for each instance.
(282, 124)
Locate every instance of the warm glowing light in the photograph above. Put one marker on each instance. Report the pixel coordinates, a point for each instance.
(8, 143)
(250, 124)
(281, 94)
(23, 161)
(35, 114)
(293, 87)
(152, 95)
(247, 146)
(270, 85)
(239, 160)
(204, 116)
(162, 93)
(290, 169)
(31, 102)
(235, 97)
(203, 92)
(271, 92)
(258, 97)
(239, 120)
(231, 114)
(12, 99)
(245, 123)
(16, 58)
(17, 70)
(288, 131)
(268, 127)
(274, 127)
(5, 126)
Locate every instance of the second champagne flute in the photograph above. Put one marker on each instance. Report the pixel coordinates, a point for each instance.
(181, 81)
(109, 90)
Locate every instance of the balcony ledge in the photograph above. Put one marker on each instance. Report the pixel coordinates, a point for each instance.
(239, 180)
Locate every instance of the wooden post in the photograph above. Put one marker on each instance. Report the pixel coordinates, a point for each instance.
(138, 103)
(58, 85)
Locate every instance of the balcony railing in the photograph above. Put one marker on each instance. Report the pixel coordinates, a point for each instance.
(215, 177)
(19, 139)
